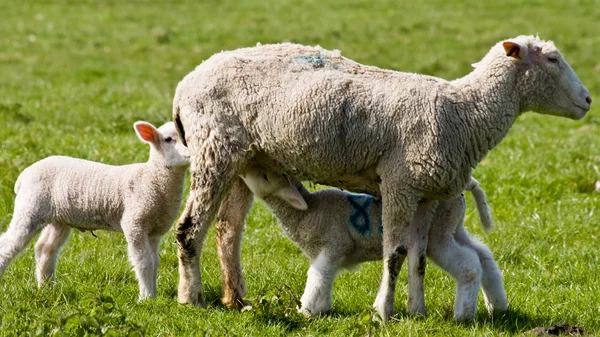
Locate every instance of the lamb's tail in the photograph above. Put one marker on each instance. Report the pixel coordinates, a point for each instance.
(18, 184)
(482, 207)
(179, 125)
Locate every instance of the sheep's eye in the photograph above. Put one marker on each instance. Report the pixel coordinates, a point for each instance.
(552, 59)
(168, 139)
(265, 176)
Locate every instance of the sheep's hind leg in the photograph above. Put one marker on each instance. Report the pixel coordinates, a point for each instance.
(20, 232)
(47, 250)
(398, 208)
(229, 230)
(318, 293)
(491, 280)
(211, 179)
(417, 261)
(462, 263)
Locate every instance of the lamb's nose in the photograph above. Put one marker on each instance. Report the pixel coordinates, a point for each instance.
(588, 100)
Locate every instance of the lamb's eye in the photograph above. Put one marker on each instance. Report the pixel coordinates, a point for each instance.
(552, 59)
(265, 176)
(168, 139)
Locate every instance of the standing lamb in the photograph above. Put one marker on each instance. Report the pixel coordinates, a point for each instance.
(342, 229)
(315, 115)
(141, 200)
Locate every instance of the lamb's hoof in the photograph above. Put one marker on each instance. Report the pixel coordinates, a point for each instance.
(419, 313)
(464, 319)
(143, 298)
(384, 311)
(416, 310)
(304, 311)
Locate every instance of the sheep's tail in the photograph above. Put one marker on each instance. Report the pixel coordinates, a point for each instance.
(482, 207)
(179, 125)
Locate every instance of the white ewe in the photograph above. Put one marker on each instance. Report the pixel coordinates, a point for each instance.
(315, 115)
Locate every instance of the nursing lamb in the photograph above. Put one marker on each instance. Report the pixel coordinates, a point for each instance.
(337, 229)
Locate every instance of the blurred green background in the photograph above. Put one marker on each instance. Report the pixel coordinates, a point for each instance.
(75, 75)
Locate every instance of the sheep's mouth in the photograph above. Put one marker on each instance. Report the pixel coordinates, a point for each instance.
(580, 111)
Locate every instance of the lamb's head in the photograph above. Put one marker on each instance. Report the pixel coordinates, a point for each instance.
(545, 81)
(165, 145)
(265, 183)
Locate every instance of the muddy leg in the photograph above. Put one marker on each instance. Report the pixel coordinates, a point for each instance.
(417, 252)
(398, 208)
(229, 231)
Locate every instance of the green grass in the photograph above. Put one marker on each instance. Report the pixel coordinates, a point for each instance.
(75, 75)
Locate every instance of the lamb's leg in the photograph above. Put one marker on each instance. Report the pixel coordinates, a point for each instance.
(141, 257)
(491, 281)
(47, 249)
(462, 263)
(417, 262)
(229, 229)
(154, 247)
(19, 233)
(398, 207)
(317, 297)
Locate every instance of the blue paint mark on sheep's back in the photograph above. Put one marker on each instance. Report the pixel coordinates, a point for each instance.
(359, 218)
(315, 60)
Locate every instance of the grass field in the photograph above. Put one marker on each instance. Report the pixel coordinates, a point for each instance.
(75, 75)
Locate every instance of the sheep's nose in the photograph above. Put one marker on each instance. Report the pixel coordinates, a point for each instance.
(588, 100)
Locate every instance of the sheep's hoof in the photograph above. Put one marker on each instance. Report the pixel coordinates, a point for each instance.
(236, 303)
(198, 302)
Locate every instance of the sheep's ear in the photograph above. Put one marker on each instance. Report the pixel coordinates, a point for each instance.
(515, 49)
(146, 132)
(291, 195)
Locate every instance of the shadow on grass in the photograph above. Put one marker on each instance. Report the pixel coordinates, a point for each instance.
(513, 321)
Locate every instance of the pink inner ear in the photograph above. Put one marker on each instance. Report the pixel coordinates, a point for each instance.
(512, 49)
(146, 132)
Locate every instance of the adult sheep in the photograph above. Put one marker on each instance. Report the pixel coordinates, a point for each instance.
(313, 114)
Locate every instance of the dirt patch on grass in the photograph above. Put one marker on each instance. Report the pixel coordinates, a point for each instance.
(563, 329)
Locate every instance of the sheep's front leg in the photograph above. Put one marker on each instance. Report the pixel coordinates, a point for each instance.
(398, 207)
(47, 249)
(229, 230)
(417, 257)
(317, 297)
(141, 257)
(154, 247)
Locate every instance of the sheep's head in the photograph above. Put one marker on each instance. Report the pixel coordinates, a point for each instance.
(265, 183)
(164, 142)
(547, 84)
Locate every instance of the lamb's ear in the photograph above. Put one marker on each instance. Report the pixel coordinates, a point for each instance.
(146, 132)
(515, 49)
(291, 195)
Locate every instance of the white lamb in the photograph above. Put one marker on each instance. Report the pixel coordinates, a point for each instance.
(315, 115)
(342, 229)
(141, 200)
